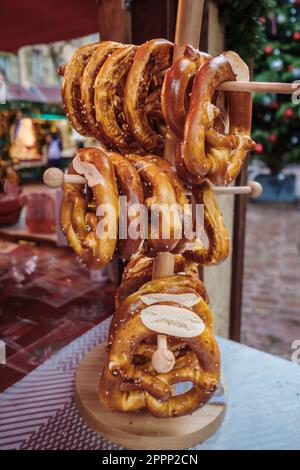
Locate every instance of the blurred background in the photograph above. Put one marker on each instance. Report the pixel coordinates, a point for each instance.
(47, 298)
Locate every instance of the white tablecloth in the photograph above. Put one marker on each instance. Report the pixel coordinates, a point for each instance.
(39, 411)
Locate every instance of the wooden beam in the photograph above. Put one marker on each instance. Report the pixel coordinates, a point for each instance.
(114, 21)
(153, 19)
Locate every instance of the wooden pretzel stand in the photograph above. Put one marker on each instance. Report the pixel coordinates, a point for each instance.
(142, 430)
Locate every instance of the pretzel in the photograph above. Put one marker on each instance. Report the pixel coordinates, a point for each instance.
(93, 66)
(218, 242)
(188, 178)
(77, 223)
(78, 218)
(199, 363)
(130, 186)
(163, 235)
(150, 59)
(173, 284)
(177, 86)
(126, 391)
(139, 271)
(224, 151)
(71, 88)
(182, 201)
(108, 100)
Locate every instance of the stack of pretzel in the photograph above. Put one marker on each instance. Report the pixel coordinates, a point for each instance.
(126, 97)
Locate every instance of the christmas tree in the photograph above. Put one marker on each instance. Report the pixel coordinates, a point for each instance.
(276, 118)
(266, 33)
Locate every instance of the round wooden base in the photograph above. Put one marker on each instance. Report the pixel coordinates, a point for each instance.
(140, 430)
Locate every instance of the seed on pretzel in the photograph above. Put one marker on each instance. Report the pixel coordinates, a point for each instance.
(97, 59)
(95, 249)
(218, 242)
(71, 88)
(176, 88)
(150, 59)
(109, 97)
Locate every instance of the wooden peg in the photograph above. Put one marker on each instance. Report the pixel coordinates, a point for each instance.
(261, 87)
(253, 188)
(55, 178)
(163, 359)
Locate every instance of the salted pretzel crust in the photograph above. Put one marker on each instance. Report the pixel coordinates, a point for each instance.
(218, 240)
(80, 232)
(197, 358)
(71, 88)
(150, 59)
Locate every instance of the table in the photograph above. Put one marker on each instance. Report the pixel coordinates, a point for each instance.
(39, 411)
(20, 231)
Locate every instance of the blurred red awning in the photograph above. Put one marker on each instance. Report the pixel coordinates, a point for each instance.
(19, 93)
(33, 22)
(48, 94)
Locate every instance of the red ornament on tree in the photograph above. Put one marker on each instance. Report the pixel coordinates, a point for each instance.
(296, 36)
(268, 49)
(259, 148)
(288, 113)
(272, 137)
(262, 19)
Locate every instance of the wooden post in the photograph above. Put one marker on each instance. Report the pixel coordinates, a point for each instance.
(238, 253)
(188, 26)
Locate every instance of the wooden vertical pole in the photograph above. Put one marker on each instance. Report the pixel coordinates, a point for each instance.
(188, 29)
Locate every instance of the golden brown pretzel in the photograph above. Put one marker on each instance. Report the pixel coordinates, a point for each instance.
(173, 285)
(130, 186)
(114, 390)
(188, 178)
(93, 248)
(240, 111)
(94, 64)
(108, 100)
(218, 242)
(71, 88)
(182, 201)
(205, 150)
(139, 271)
(177, 85)
(79, 220)
(202, 113)
(154, 391)
(164, 233)
(150, 59)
